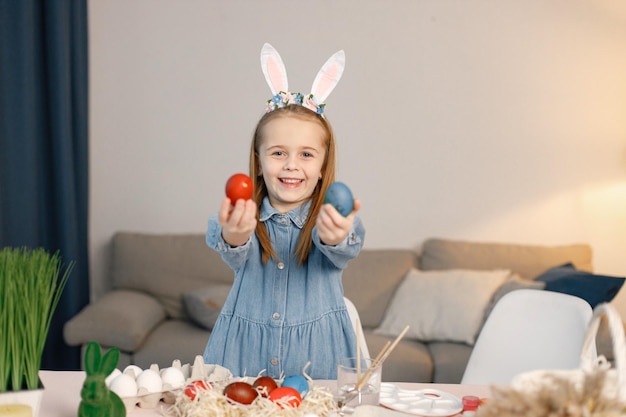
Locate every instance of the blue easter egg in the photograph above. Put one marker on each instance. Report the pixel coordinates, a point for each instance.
(297, 382)
(340, 196)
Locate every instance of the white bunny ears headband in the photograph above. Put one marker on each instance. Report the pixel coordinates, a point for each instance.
(276, 77)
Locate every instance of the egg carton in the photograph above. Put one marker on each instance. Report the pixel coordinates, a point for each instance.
(148, 388)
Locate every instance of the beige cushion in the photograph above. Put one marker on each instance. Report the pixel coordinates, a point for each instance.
(166, 266)
(120, 318)
(205, 304)
(527, 260)
(442, 305)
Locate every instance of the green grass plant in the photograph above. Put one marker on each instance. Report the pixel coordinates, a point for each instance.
(31, 284)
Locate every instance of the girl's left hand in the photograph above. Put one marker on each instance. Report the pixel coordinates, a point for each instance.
(332, 227)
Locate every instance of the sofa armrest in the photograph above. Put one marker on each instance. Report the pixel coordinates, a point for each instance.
(120, 318)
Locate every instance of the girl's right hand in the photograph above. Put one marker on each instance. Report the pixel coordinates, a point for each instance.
(238, 222)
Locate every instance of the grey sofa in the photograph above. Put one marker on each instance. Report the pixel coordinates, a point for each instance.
(145, 315)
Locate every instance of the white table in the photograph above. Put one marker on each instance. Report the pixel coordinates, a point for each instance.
(62, 393)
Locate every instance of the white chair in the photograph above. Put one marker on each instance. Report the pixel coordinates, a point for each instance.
(528, 330)
(356, 323)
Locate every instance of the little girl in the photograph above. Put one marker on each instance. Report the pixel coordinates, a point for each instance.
(288, 249)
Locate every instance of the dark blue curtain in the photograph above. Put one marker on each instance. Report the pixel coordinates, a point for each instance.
(44, 145)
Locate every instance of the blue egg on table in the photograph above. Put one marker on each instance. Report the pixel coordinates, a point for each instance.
(297, 382)
(340, 197)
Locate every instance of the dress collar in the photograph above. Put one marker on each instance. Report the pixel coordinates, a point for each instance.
(298, 215)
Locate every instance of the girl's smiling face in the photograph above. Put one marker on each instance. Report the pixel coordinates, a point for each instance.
(291, 156)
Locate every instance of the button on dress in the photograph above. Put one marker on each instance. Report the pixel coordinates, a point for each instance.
(280, 316)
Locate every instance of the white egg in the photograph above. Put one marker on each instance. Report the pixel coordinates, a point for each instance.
(133, 370)
(173, 377)
(124, 385)
(150, 380)
(112, 376)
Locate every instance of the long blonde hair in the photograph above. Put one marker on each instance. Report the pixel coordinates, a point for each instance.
(317, 198)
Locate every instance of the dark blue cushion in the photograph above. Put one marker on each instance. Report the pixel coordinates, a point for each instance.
(594, 289)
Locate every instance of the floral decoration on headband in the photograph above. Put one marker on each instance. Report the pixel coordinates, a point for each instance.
(282, 99)
(276, 77)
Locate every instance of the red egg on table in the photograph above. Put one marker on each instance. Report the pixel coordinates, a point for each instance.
(239, 186)
(286, 396)
(241, 392)
(192, 389)
(265, 385)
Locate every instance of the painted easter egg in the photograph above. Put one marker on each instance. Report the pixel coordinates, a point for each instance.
(192, 389)
(340, 197)
(286, 396)
(265, 385)
(239, 186)
(241, 392)
(297, 382)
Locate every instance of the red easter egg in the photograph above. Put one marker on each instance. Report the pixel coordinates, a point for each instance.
(286, 395)
(265, 385)
(192, 389)
(239, 186)
(241, 392)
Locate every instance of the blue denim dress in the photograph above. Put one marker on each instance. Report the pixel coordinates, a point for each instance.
(279, 316)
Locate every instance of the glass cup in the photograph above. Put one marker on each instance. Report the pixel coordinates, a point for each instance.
(349, 396)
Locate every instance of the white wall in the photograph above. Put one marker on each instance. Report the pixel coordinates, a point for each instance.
(484, 120)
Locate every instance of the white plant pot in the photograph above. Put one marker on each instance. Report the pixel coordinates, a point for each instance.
(28, 398)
